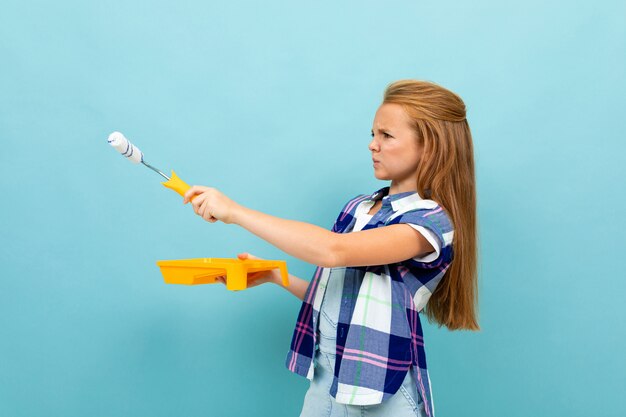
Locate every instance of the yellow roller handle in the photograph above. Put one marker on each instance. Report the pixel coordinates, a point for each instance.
(177, 185)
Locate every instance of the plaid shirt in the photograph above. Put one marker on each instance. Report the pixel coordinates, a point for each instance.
(379, 334)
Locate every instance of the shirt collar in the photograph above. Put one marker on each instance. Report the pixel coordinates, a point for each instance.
(400, 200)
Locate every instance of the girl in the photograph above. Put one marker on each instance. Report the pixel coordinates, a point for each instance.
(358, 336)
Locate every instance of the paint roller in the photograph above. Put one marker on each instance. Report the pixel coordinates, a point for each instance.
(134, 155)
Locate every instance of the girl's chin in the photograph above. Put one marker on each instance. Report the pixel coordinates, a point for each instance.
(380, 176)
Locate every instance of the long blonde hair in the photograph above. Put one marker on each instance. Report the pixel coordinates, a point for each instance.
(446, 175)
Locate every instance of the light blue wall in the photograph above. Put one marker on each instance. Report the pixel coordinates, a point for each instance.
(272, 103)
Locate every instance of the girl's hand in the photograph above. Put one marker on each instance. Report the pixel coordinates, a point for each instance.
(211, 204)
(256, 278)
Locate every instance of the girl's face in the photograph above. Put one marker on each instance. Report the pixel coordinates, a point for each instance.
(394, 148)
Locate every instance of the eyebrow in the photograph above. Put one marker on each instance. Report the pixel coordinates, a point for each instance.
(381, 129)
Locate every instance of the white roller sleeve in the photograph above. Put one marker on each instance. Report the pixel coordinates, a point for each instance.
(123, 146)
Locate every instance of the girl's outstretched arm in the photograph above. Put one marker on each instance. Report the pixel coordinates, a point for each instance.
(310, 243)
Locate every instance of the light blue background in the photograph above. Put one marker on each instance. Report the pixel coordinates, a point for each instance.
(272, 103)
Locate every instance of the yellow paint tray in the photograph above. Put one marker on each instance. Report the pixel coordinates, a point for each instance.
(205, 270)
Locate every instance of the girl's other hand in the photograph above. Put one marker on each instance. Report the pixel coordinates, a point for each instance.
(256, 278)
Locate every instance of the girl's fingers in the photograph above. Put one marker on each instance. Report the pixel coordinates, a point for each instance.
(201, 197)
(254, 276)
(246, 255)
(197, 203)
(204, 212)
(202, 208)
(254, 283)
(190, 193)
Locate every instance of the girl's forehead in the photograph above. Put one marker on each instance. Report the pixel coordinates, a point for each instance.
(390, 115)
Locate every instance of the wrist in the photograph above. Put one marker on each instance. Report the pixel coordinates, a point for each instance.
(237, 214)
(276, 278)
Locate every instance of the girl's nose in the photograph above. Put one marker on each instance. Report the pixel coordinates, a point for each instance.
(373, 145)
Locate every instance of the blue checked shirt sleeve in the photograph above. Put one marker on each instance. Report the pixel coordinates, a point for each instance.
(439, 224)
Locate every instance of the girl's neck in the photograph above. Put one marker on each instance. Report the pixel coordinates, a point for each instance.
(397, 188)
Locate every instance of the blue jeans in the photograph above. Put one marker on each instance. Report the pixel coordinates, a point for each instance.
(319, 403)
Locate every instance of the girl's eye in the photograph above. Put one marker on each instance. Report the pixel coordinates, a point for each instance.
(387, 135)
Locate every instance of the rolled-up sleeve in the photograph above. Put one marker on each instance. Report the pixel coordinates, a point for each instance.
(436, 227)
